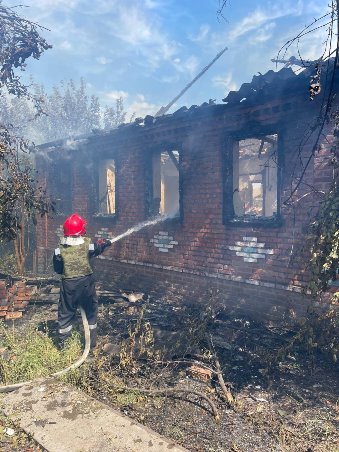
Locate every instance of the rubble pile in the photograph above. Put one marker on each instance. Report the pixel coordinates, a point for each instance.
(14, 298)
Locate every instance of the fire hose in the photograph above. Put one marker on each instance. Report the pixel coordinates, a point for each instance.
(81, 360)
(9, 388)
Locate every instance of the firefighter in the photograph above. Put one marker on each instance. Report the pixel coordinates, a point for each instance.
(72, 261)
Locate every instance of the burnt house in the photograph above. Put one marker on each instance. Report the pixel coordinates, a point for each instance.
(218, 176)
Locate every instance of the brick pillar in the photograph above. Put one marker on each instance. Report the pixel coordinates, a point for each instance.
(82, 190)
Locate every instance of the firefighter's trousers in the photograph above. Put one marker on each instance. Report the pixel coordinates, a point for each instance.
(75, 292)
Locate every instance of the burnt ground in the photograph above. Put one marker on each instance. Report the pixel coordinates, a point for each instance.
(13, 439)
(283, 403)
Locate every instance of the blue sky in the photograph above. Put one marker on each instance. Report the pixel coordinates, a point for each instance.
(148, 50)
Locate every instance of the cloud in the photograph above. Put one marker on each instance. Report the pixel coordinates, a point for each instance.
(258, 25)
(152, 4)
(144, 46)
(114, 95)
(136, 24)
(263, 34)
(135, 30)
(257, 18)
(169, 79)
(190, 65)
(260, 16)
(312, 45)
(144, 35)
(202, 34)
(103, 60)
(140, 107)
(65, 45)
(225, 82)
(131, 26)
(42, 11)
(49, 5)
(317, 8)
(136, 106)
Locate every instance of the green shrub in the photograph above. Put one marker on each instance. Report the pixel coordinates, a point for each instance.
(32, 355)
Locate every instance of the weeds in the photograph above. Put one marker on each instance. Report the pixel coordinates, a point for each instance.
(18, 441)
(32, 355)
(140, 343)
(293, 422)
(317, 332)
(8, 262)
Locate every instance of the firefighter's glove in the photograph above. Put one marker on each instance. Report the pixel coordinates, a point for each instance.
(104, 242)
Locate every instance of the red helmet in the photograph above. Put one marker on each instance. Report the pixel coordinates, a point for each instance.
(74, 225)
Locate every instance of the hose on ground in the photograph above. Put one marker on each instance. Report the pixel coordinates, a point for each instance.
(81, 360)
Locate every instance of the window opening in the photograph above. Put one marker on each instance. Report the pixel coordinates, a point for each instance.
(60, 186)
(255, 177)
(165, 170)
(107, 183)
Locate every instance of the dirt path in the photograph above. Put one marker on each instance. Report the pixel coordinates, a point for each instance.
(64, 419)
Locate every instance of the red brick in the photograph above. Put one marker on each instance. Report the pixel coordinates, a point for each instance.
(203, 240)
(13, 315)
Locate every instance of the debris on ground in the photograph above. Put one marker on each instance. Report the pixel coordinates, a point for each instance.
(281, 406)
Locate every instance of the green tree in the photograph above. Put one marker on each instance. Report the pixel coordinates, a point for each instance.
(20, 198)
(113, 117)
(68, 111)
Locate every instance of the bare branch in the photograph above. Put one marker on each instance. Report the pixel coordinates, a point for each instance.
(173, 392)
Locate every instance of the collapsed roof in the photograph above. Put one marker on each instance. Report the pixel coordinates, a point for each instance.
(263, 88)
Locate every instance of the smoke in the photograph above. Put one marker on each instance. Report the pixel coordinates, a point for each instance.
(74, 144)
(139, 226)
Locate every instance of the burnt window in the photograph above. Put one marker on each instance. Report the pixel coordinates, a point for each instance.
(60, 185)
(164, 181)
(107, 187)
(253, 184)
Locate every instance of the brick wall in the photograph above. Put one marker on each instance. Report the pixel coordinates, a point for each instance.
(175, 287)
(200, 247)
(14, 299)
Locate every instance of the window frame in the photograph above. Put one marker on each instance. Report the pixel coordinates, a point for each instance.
(96, 207)
(158, 149)
(56, 169)
(229, 217)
